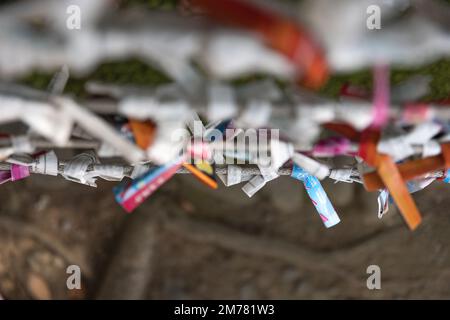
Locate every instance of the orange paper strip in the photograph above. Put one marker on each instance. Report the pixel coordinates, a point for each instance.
(412, 169)
(390, 177)
(144, 132)
(279, 32)
(202, 176)
(393, 181)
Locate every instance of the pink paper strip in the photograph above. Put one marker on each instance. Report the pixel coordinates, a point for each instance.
(5, 176)
(19, 172)
(381, 99)
(332, 146)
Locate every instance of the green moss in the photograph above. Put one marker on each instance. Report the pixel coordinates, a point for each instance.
(37, 80)
(150, 4)
(129, 72)
(439, 72)
(135, 72)
(333, 86)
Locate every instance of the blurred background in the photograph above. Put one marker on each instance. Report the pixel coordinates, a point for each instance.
(189, 242)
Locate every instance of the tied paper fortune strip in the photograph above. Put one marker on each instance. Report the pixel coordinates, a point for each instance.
(318, 196)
